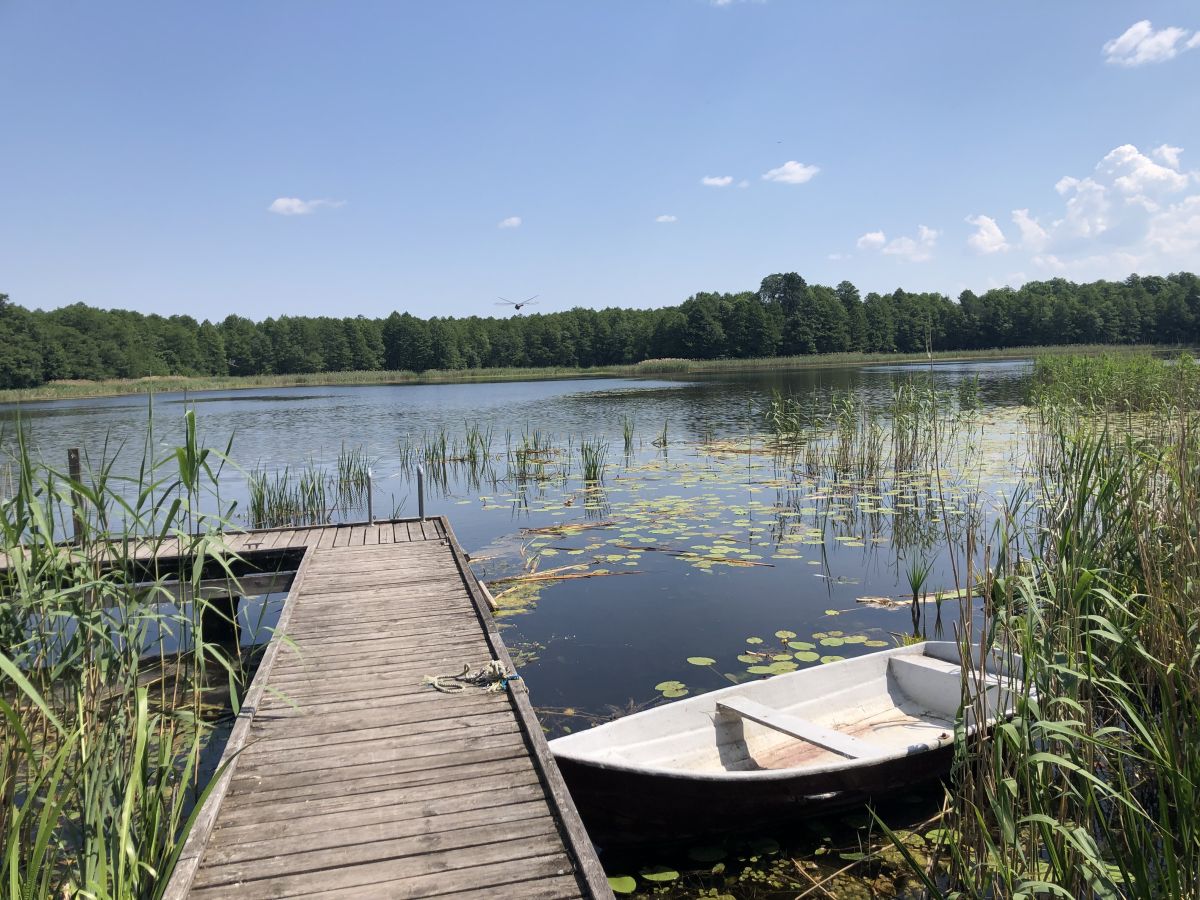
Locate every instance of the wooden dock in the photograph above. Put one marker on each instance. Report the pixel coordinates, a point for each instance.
(349, 777)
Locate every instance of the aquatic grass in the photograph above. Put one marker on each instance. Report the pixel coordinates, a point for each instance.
(592, 457)
(104, 730)
(1090, 789)
(627, 433)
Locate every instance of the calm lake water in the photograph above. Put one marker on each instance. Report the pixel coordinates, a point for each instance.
(710, 548)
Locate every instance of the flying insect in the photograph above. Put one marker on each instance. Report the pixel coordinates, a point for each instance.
(517, 306)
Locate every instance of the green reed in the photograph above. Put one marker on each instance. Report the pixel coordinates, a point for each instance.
(593, 456)
(1090, 591)
(99, 765)
(627, 433)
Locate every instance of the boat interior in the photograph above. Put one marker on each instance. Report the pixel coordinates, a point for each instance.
(872, 707)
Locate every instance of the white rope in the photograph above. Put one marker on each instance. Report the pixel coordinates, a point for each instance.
(492, 678)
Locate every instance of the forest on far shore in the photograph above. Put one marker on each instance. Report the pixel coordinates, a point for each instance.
(786, 316)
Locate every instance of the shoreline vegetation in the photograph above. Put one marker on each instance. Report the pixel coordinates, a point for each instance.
(84, 389)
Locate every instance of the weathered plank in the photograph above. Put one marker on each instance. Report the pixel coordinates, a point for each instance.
(355, 778)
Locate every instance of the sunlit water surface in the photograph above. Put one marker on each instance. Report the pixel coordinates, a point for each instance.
(711, 548)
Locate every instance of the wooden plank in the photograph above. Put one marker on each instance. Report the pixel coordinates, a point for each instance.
(393, 850)
(432, 753)
(496, 815)
(801, 729)
(328, 536)
(249, 812)
(341, 537)
(259, 789)
(436, 873)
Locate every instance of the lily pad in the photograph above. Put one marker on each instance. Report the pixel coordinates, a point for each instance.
(659, 874)
(754, 640)
(701, 660)
(749, 658)
(668, 685)
(622, 884)
(801, 645)
(785, 635)
(807, 656)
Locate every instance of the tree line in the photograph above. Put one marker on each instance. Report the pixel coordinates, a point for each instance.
(786, 316)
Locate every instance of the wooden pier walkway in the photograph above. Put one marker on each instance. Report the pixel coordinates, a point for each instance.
(350, 777)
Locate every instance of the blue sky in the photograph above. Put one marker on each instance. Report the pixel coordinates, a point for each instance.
(354, 158)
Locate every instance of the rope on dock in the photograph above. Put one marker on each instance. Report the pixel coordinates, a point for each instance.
(491, 678)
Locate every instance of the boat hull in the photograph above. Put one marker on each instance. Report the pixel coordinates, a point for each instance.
(622, 806)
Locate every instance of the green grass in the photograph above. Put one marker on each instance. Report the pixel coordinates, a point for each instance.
(101, 744)
(66, 390)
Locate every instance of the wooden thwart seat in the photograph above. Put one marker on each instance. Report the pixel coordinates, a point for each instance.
(796, 727)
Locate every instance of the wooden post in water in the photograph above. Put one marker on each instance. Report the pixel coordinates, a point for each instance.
(75, 470)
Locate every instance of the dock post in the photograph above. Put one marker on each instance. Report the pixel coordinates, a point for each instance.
(76, 473)
(421, 491)
(370, 499)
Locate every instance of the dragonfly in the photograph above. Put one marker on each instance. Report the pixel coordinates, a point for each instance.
(517, 306)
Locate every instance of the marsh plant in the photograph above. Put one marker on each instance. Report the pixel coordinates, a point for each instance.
(104, 728)
(593, 456)
(1090, 594)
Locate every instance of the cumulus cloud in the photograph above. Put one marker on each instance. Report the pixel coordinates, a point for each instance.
(1135, 211)
(1141, 44)
(666, 219)
(1033, 235)
(717, 180)
(919, 249)
(791, 172)
(872, 240)
(294, 206)
(988, 238)
(510, 222)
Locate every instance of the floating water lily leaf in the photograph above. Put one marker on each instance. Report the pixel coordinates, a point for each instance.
(832, 642)
(801, 645)
(780, 657)
(807, 656)
(764, 846)
(855, 639)
(754, 640)
(622, 884)
(701, 660)
(674, 693)
(659, 874)
(833, 612)
(749, 657)
(829, 659)
(668, 685)
(785, 635)
(875, 643)
(706, 854)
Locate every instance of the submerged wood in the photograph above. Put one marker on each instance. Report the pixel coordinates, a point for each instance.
(826, 737)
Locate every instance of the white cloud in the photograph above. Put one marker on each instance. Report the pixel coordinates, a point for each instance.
(510, 222)
(918, 250)
(837, 257)
(1141, 44)
(1033, 235)
(294, 206)
(717, 180)
(872, 240)
(791, 172)
(666, 219)
(1167, 153)
(988, 238)
(1137, 175)
(1136, 211)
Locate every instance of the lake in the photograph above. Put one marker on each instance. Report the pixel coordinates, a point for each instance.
(714, 556)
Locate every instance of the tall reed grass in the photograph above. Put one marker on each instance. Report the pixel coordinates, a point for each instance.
(1092, 789)
(104, 726)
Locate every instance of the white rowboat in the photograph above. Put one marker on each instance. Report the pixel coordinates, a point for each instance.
(823, 737)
